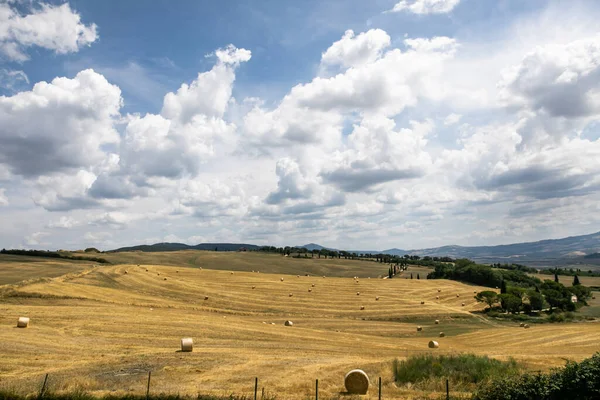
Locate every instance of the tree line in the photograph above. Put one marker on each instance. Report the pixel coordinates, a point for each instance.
(52, 254)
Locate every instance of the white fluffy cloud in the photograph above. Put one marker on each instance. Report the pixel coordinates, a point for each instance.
(59, 126)
(561, 80)
(425, 6)
(57, 28)
(354, 51)
(377, 153)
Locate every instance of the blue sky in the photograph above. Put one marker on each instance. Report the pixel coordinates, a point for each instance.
(373, 124)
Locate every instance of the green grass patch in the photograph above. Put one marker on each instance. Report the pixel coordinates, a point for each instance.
(464, 371)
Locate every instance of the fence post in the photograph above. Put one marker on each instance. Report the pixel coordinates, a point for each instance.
(317, 390)
(43, 390)
(255, 387)
(379, 388)
(148, 386)
(447, 390)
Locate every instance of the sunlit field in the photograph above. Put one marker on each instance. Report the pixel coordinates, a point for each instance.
(102, 328)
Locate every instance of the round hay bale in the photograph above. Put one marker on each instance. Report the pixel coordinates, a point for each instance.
(165, 279)
(146, 269)
(362, 307)
(463, 304)
(126, 272)
(419, 328)
(187, 344)
(377, 298)
(475, 291)
(158, 273)
(200, 268)
(356, 382)
(22, 322)
(457, 295)
(433, 344)
(231, 272)
(313, 285)
(272, 323)
(521, 324)
(437, 321)
(358, 293)
(439, 290)
(422, 302)
(297, 276)
(289, 323)
(442, 334)
(526, 326)
(281, 279)
(177, 271)
(437, 297)
(253, 287)
(323, 276)
(138, 265)
(593, 297)
(205, 297)
(290, 295)
(309, 290)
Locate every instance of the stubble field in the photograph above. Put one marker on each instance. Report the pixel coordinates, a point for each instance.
(101, 329)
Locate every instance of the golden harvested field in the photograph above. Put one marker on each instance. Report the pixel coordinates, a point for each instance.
(102, 329)
(15, 269)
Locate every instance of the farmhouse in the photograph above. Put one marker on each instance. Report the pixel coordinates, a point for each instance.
(573, 299)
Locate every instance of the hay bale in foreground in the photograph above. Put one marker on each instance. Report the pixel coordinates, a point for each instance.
(22, 322)
(289, 323)
(433, 344)
(187, 344)
(526, 326)
(521, 324)
(419, 328)
(356, 382)
(442, 334)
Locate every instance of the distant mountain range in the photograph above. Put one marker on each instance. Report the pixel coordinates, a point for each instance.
(181, 246)
(584, 247)
(574, 249)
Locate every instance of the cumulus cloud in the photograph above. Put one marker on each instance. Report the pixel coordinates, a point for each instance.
(377, 153)
(561, 80)
(59, 126)
(425, 6)
(352, 51)
(56, 28)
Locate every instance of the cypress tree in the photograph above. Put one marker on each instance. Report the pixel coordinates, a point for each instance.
(503, 287)
(576, 281)
(411, 275)
(418, 276)
(556, 277)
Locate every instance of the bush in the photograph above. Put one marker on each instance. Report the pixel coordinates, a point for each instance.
(576, 381)
(463, 369)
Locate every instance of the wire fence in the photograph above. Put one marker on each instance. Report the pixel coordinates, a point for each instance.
(44, 388)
